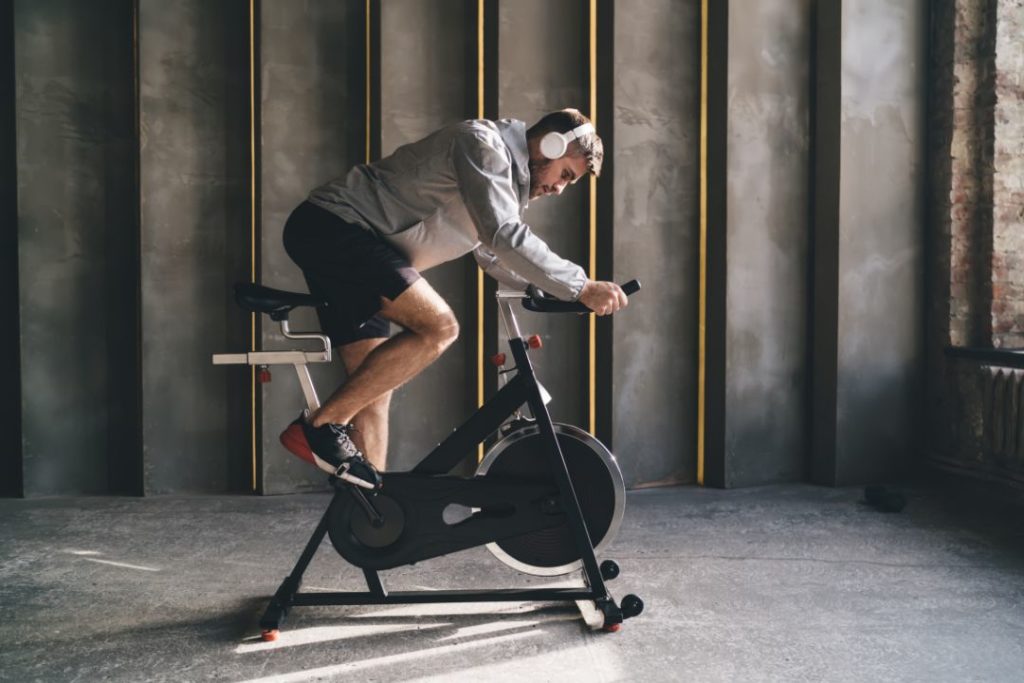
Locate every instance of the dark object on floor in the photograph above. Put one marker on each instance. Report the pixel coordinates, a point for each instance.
(883, 499)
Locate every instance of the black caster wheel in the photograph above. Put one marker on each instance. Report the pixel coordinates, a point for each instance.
(631, 606)
(609, 570)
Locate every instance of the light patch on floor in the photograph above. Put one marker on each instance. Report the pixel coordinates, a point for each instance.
(388, 660)
(87, 556)
(123, 565)
(325, 634)
(503, 625)
(593, 664)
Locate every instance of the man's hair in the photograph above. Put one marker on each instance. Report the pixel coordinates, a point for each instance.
(589, 146)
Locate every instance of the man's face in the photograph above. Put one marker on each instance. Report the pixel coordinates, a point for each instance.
(552, 176)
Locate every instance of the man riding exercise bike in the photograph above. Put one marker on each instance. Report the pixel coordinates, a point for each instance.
(362, 241)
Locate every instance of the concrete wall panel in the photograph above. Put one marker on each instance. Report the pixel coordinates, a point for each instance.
(422, 89)
(880, 244)
(75, 240)
(766, 366)
(542, 68)
(194, 123)
(657, 86)
(306, 54)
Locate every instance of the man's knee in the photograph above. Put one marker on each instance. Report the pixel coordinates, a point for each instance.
(439, 330)
(423, 312)
(445, 331)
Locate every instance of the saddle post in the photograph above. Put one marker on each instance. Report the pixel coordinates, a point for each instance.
(300, 360)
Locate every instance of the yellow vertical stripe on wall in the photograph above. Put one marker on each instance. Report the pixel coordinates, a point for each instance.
(592, 318)
(480, 59)
(368, 113)
(252, 220)
(701, 325)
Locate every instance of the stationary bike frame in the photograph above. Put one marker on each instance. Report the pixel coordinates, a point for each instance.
(521, 389)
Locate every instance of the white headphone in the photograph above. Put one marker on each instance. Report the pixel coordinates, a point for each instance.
(553, 145)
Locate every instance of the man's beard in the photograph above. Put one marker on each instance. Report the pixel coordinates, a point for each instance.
(536, 166)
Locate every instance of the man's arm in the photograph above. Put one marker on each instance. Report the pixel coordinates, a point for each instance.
(602, 298)
(484, 173)
(490, 264)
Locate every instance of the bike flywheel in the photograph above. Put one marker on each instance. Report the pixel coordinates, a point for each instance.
(596, 479)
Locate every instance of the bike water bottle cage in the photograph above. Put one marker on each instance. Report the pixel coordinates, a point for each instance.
(276, 303)
(554, 145)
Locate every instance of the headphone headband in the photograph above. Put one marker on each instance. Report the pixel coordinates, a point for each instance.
(579, 131)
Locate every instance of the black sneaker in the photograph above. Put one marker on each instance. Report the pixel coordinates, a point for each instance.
(330, 448)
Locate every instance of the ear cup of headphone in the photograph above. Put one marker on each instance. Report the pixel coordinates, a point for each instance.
(553, 145)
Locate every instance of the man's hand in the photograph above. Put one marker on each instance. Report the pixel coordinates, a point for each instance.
(603, 298)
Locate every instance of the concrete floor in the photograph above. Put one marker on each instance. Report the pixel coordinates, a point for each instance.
(788, 583)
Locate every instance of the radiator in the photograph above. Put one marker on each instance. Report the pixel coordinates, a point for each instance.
(1004, 417)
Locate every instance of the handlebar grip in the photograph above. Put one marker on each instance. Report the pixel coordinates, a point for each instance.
(539, 302)
(631, 287)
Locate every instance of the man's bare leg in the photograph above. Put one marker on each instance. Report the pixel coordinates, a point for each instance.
(429, 326)
(371, 423)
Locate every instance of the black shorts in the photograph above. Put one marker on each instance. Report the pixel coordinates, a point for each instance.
(348, 266)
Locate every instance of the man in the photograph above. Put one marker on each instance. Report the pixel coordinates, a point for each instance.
(363, 240)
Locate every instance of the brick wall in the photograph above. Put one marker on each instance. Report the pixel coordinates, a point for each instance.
(975, 228)
(970, 156)
(1008, 177)
(976, 120)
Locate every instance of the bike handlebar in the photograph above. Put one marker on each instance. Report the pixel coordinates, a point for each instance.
(539, 302)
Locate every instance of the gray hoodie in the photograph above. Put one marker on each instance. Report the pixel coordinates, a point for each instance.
(462, 189)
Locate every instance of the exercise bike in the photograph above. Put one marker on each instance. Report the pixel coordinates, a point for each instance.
(544, 499)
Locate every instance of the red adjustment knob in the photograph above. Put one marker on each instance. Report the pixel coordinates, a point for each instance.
(534, 341)
(263, 375)
(498, 359)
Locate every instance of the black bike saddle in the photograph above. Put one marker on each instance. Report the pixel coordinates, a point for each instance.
(275, 302)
